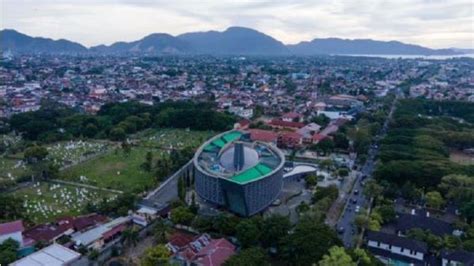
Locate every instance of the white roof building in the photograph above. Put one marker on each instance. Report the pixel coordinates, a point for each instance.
(54, 255)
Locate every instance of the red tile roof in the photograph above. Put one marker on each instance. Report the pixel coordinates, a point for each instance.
(44, 232)
(281, 123)
(117, 229)
(83, 222)
(215, 253)
(291, 115)
(180, 239)
(319, 137)
(11, 227)
(291, 135)
(263, 135)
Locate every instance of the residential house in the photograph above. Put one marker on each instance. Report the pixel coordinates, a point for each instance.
(308, 132)
(13, 230)
(393, 249)
(292, 117)
(53, 255)
(280, 124)
(201, 251)
(97, 237)
(290, 140)
(457, 258)
(263, 135)
(405, 222)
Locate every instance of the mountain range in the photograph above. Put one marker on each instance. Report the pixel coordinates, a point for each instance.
(232, 41)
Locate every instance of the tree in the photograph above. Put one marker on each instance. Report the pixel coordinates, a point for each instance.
(126, 147)
(248, 232)
(182, 215)
(434, 199)
(156, 256)
(274, 229)
(341, 141)
(130, 236)
(117, 134)
(35, 154)
(458, 187)
(148, 164)
(467, 210)
(254, 256)
(226, 224)
(362, 258)
(373, 189)
(8, 251)
(311, 180)
(326, 164)
(308, 243)
(343, 172)
(11, 208)
(337, 257)
(387, 212)
(321, 120)
(331, 192)
(326, 145)
(161, 230)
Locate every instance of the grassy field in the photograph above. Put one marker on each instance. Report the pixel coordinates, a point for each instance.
(118, 170)
(46, 201)
(115, 170)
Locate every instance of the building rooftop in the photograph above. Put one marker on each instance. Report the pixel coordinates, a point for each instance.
(233, 155)
(11, 227)
(53, 255)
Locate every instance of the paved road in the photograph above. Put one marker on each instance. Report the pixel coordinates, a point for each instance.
(346, 220)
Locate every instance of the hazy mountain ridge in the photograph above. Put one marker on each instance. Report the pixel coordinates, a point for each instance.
(22, 43)
(232, 41)
(363, 46)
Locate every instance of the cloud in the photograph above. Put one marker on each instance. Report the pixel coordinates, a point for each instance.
(433, 23)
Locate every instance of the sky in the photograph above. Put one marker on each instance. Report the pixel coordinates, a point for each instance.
(431, 23)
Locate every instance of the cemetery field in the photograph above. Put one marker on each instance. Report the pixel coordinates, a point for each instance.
(115, 170)
(171, 138)
(71, 152)
(12, 167)
(45, 201)
(118, 170)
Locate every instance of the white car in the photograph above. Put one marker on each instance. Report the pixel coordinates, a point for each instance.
(357, 209)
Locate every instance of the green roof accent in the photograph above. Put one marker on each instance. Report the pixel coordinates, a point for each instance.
(252, 173)
(247, 175)
(219, 143)
(231, 136)
(209, 148)
(263, 169)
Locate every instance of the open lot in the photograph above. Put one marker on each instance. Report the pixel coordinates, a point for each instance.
(45, 201)
(461, 157)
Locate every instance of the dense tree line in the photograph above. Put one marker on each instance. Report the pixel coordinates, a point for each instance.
(116, 120)
(417, 146)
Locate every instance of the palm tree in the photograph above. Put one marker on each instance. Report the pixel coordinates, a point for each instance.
(161, 231)
(130, 236)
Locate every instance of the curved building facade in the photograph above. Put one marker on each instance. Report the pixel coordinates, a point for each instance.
(244, 176)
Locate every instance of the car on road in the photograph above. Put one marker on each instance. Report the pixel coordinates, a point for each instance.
(356, 192)
(357, 209)
(354, 200)
(340, 230)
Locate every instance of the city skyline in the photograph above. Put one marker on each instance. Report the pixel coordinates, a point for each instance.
(434, 24)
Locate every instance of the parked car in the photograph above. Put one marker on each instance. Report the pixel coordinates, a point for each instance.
(357, 209)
